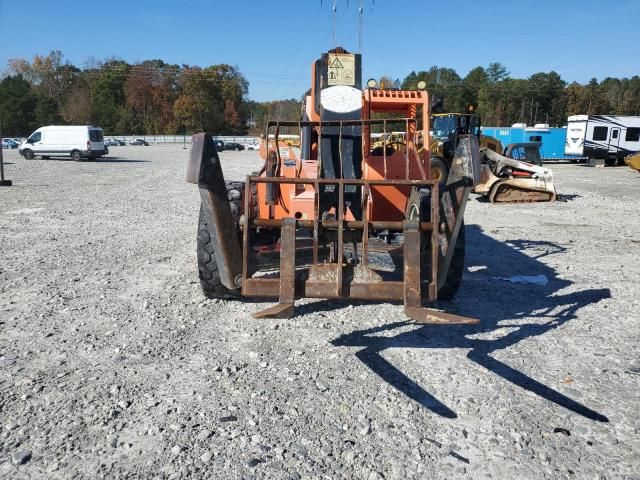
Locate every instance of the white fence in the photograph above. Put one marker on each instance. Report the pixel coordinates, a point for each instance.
(244, 140)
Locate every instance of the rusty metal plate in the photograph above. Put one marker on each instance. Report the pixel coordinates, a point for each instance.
(324, 273)
(281, 310)
(412, 279)
(285, 307)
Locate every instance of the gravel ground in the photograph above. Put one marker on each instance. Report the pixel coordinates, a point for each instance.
(112, 363)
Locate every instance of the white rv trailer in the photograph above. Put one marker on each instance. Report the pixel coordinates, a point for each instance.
(609, 137)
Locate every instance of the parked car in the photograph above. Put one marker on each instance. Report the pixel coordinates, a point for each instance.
(9, 143)
(76, 141)
(254, 146)
(114, 142)
(233, 146)
(139, 141)
(219, 144)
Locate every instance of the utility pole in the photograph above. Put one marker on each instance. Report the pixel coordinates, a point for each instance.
(531, 113)
(3, 182)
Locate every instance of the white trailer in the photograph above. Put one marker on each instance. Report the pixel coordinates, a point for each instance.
(609, 137)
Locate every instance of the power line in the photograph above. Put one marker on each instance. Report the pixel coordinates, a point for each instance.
(275, 79)
(143, 71)
(180, 70)
(232, 76)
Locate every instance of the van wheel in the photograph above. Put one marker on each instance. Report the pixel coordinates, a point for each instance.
(28, 154)
(76, 156)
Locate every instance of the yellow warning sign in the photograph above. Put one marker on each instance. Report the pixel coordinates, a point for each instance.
(342, 69)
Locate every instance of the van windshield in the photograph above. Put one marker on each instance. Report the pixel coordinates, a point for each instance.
(95, 135)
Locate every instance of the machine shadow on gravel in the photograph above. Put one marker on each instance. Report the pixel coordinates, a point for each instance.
(120, 160)
(562, 197)
(522, 311)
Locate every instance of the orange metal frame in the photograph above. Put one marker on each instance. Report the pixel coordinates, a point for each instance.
(386, 203)
(389, 203)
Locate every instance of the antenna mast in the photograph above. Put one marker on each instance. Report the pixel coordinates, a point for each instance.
(335, 8)
(334, 19)
(360, 24)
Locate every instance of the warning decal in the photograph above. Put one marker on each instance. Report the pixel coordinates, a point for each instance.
(342, 69)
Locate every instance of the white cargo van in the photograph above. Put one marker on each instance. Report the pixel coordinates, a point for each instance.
(76, 141)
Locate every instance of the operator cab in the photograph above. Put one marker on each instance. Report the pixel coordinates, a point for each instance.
(448, 125)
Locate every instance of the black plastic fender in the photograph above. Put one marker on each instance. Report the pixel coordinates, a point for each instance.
(204, 169)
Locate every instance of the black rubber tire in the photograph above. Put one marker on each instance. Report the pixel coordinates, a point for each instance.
(456, 269)
(28, 154)
(440, 172)
(454, 276)
(210, 282)
(76, 156)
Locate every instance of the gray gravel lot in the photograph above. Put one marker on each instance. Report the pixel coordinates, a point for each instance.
(112, 363)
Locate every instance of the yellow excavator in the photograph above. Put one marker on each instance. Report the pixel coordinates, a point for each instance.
(395, 140)
(446, 130)
(449, 126)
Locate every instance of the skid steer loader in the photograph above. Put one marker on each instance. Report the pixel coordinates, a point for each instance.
(338, 220)
(504, 179)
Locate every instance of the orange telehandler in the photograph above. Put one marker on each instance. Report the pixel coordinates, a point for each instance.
(338, 219)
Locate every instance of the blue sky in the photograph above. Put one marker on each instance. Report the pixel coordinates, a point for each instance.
(274, 42)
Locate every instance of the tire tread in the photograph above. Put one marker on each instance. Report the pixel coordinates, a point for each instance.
(456, 269)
